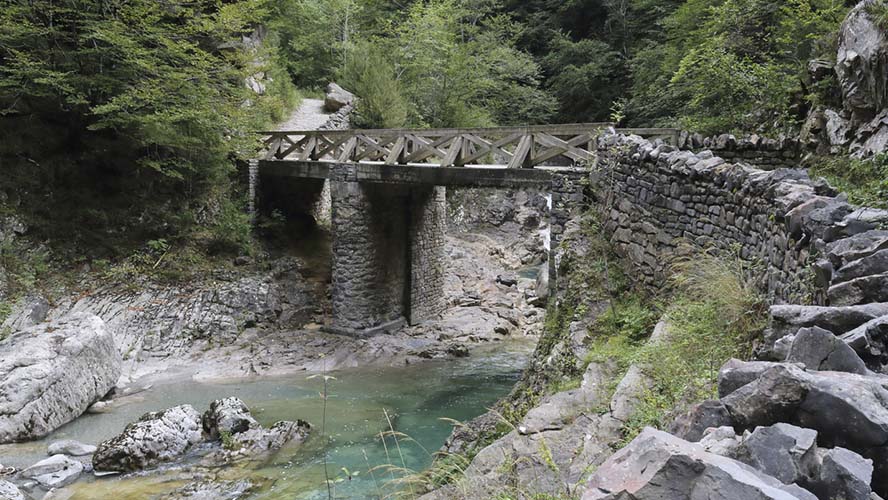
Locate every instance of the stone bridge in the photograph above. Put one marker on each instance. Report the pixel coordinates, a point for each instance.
(387, 192)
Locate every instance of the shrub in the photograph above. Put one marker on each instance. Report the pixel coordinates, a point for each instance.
(372, 77)
(864, 181)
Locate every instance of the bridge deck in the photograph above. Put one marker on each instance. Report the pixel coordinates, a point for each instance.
(512, 147)
(378, 173)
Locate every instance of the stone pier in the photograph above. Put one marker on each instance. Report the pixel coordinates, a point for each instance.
(388, 256)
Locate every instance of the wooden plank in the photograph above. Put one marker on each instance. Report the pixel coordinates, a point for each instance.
(308, 151)
(349, 150)
(522, 152)
(453, 153)
(493, 146)
(397, 153)
(558, 147)
(427, 149)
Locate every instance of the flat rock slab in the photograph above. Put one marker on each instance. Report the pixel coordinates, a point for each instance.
(51, 373)
(657, 465)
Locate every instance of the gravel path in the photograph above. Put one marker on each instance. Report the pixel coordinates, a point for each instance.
(309, 116)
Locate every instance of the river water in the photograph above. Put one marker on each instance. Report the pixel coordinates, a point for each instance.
(417, 399)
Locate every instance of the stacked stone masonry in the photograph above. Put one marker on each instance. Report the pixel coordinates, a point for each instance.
(369, 256)
(388, 254)
(659, 199)
(428, 221)
(764, 153)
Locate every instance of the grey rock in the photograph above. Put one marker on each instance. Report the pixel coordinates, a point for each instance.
(840, 252)
(860, 290)
(693, 424)
(156, 438)
(51, 373)
(787, 319)
(860, 66)
(9, 491)
(784, 451)
(815, 216)
(258, 441)
(721, 441)
(844, 474)
(859, 221)
(212, 490)
(657, 465)
(870, 340)
(876, 263)
(54, 472)
(557, 411)
(227, 416)
(629, 393)
(819, 349)
(735, 374)
(71, 447)
(336, 97)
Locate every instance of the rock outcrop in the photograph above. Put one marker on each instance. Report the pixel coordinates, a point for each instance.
(157, 437)
(862, 68)
(227, 428)
(51, 373)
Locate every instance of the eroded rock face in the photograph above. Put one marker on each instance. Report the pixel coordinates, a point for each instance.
(157, 437)
(51, 373)
(862, 68)
(658, 465)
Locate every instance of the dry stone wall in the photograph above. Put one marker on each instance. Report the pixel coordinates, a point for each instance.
(761, 152)
(659, 199)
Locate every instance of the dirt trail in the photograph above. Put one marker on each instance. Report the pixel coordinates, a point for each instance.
(309, 116)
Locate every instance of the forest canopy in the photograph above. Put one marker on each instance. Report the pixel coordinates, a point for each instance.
(136, 112)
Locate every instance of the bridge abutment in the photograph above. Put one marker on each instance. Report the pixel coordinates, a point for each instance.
(388, 255)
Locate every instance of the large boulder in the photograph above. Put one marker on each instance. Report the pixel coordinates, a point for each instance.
(51, 373)
(657, 465)
(156, 438)
(843, 474)
(336, 98)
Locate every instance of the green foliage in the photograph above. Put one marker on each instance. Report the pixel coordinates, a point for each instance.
(878, 12)
(370, 75)
(121, 121)
(864, 181)
(715, 316)
(629, 318)
(315, 37)
(585, 77)
(227, 441)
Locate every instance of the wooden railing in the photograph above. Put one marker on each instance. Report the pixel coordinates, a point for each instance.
(514, 147)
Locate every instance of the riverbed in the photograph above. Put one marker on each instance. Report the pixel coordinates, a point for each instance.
(418, 402)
